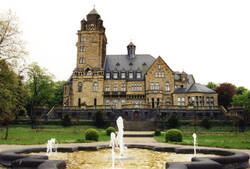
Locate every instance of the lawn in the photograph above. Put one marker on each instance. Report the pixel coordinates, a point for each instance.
(23, 134)
(224, 137)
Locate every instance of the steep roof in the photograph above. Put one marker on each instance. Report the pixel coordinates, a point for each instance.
(194, 88)
(122, 63)
(93, 12)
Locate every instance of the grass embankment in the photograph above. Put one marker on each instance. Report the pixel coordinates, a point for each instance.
(221, 136)
(23, 134)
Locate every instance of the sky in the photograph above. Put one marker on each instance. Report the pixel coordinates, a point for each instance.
(207, 38)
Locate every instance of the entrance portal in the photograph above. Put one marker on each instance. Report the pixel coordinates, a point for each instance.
(136, 116)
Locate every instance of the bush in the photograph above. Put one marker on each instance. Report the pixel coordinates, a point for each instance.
(66, 120)
(205, 123)
(99, 120)
(109, 130)
(157, 132)
(173, 135)
(91, 134)
(172, 122)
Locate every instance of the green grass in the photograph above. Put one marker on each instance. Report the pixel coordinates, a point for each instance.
(23, 134)
(224, 137)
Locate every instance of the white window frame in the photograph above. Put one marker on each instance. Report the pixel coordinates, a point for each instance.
(167, 86)
(123, 75)
(115, 75)
(138, 75)
(107, 102)
(157, 86)
(107, 88)
(82, 39)
(95, 87)
(123, 102)
(152, 86)
(108, 75)
(81, 60)
(131, 75)
(115, 87)
(123, 88)
(82, 49)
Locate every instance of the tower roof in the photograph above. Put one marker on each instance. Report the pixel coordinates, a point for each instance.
(93, 12)
(131, 44)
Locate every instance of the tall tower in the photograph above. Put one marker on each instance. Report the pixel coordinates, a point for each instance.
(91, 45)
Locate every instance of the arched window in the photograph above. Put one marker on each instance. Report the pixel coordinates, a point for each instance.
(79, 86)
(79, 102)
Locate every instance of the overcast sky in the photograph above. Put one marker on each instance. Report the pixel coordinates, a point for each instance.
(207, 38)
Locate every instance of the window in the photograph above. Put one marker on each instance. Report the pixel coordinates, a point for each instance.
(81, 61)
(79, 102)
(156, 74)
(107, 75)
(82, 49)
(123, 102)
(123, 88)
(123, 75)
(139, 87)
(115, 75)
(115, 88)
(82, 39)
(162, 74)
(138, 75)
(115, 103)
(212, 101)
(167, 87)
(133, 87)
(152, 86)
(159, 66)
(207, 99)
(95, 87)
(107, 102)
(175, 86)
(95, 102)
(183, 101)
(157, 87)
(178, 101)
(107, 89)
(79, 86)
(89, 73)
(131, 75)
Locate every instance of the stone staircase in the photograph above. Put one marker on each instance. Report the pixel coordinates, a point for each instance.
(139, 125)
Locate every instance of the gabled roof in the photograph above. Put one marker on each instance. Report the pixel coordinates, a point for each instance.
(159, 58)
(122, 63)
(194, 88)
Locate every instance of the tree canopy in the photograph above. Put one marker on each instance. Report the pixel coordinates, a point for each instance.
(225, 93)
(211, 85)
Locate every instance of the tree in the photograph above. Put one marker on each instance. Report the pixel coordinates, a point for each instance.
(243, 100)
(40, 85)
(240, 90)
(58, 93)
(11, 46)
(8, 94)
(225, 93)
(211, 85)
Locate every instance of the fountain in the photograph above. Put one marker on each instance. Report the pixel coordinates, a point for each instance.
(195, 143)
(50, 146)
(113, 144)
(119, 123)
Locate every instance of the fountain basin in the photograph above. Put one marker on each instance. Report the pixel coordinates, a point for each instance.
(228, 159)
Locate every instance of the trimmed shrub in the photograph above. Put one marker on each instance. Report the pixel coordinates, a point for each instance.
(109, 130)
(173, 135)
(157, 132)
(205, 123)
(99, 120)
(91, 134)
(172, 122)
(66, 120)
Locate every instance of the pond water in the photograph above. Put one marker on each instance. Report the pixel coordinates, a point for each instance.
(133, 158)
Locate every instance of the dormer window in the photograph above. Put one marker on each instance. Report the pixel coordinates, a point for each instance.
(138, 75)
(123, 75)
(115, 75)
(82, 49)
(107, 75)
(131, 75)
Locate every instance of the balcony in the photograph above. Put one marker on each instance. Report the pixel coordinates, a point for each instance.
(114, 94)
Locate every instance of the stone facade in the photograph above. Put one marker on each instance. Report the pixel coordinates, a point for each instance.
(130, 82)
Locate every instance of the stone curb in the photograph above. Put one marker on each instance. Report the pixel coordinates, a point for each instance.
(229, 159)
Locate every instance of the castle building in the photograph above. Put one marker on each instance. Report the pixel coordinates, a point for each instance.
(127, 81)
